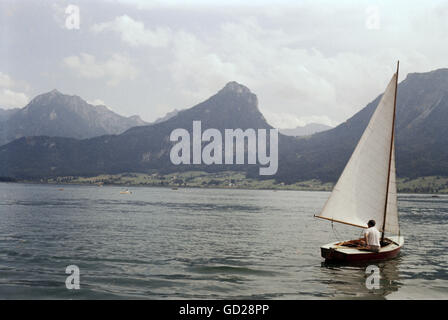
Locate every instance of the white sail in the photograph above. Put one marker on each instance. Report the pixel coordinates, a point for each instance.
(392, 207)
(360, 193)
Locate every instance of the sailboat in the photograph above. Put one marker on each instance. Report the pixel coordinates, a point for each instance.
(366, 189)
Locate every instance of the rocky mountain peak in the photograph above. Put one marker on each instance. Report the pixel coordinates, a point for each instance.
(235, 87)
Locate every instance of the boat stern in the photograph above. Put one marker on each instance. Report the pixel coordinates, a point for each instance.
(329, 252)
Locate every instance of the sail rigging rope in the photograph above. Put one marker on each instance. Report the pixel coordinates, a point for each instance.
(335, 232)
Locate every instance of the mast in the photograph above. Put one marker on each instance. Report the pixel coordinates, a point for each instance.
(390, 152)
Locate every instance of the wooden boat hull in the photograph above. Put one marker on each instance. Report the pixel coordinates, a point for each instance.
(335, 252)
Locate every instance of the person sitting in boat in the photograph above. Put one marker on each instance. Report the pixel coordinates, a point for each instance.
(372, 237)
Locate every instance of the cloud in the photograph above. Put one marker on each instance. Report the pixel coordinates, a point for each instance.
(134, 32)
(285, 78)
(302, 58)
(300, 82)
(141, 4)
(302, 61)
(6, 81)
(96, 102)
(12, 99)
(116, 69)
(9, 97)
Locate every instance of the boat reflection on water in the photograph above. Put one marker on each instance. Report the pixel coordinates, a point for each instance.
(349, 280)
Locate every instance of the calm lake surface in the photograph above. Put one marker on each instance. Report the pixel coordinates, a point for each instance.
(158, 243)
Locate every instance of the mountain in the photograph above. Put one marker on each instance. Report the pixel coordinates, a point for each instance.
(57, 114)
(421, 139)
(306, 130)
(139, 149)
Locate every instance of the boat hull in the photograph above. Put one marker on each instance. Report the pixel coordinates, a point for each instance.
(335, 252)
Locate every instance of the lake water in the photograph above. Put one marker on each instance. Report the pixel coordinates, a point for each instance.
(158, 243)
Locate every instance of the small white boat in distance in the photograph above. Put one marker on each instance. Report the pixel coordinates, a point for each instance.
(366, 189)
(125, 192)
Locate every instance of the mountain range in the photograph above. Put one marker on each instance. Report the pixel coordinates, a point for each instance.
(57, 114)
(421, 139)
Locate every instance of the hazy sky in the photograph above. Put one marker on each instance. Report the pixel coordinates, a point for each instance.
(307, 61)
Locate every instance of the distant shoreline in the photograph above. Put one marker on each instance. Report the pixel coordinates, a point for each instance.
(154, 186)
(228, 180)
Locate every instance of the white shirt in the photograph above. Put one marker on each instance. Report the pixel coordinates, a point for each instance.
(373, 236)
